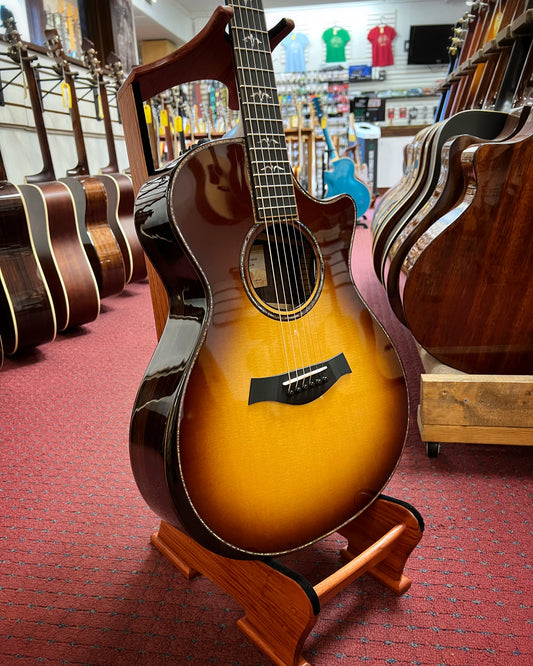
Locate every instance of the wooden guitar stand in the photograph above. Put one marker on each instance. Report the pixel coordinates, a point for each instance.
(281, 606)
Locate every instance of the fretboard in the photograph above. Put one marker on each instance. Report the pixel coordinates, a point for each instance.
(270, 169)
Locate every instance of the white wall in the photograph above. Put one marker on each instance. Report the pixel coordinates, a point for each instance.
(18, 142)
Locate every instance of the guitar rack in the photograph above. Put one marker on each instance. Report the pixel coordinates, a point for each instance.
(281, 606)
(473, 409)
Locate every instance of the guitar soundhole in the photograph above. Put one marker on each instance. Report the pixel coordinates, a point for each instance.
(282, 269)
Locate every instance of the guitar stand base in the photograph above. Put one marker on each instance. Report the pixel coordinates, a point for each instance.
(281, 606)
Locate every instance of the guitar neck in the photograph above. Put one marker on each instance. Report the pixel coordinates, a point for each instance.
(47, 173)
(112, 167)
(82, 168)
(270, 169)
(63, 69)
(19, 54)
(322, 122)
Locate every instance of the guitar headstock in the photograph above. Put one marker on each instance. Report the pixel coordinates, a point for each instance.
(114, 67)
(318, 109)
(55, 48)
(17, 50)
(90, 58)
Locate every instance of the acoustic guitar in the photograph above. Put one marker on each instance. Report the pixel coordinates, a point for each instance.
(118, 186)
(451, 185)
(341, 178)
(274, 409)
(27, 316)
(52, 214)
(465, 290)
(88, 192)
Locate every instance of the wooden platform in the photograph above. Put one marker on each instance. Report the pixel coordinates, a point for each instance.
(481, 409)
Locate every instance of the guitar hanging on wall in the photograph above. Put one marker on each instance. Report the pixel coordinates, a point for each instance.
(274, 409)
(341, 178)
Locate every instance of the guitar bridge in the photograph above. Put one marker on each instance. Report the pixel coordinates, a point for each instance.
(300, 386)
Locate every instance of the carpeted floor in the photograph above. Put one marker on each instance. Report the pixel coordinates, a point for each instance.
(80, 582)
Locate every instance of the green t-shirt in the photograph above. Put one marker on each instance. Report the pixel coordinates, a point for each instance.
(336, 40)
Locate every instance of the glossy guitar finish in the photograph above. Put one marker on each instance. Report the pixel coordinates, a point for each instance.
(478, 123)
(27, 314)
(98, 240)
(465, 290)
(120, 204)
(341, 177)
(89, 193)
(54, 225)
(247, 479)
(118, 186)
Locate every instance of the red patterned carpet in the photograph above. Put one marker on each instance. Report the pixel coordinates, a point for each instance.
(81, 584)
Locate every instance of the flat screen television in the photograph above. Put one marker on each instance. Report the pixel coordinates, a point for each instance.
(428, 44)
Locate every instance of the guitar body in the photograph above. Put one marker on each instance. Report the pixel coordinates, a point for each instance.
(27, 313)
(120, 203)
(341, 180)
(218, 447)
(448, 192)
(98, 240)
(463, 290)
(52, 215)
(477, 123)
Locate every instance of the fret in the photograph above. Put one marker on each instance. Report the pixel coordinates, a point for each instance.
(274, 154)
(273, 179)
(270, 171)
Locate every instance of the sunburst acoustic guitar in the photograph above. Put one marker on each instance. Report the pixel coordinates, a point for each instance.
(274, 409)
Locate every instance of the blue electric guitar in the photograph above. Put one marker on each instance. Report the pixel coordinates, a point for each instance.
(341, 178)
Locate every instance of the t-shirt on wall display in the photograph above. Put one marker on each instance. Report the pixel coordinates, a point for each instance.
(381, 39)
(336, 39)
(294, 46)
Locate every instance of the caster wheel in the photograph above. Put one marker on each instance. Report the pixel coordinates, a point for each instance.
(432, 449)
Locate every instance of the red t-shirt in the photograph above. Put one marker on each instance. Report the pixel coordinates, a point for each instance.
(381, 38)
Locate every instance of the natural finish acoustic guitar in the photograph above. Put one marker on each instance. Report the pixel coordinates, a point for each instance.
(88, 192)
(274, 409)
(118, 186)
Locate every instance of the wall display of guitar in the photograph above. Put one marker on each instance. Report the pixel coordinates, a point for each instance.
(89, 193)
(341, 177)
(27, 316)
(118, 186)
(52, 213)
(274, 409)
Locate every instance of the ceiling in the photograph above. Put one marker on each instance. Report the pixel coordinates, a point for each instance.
(147, 29)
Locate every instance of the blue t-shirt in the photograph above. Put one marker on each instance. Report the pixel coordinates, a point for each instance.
(295, 52)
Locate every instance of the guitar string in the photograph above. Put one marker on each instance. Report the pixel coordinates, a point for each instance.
(239, 51)
(269, 122)
(306, 335)
(295, 238)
